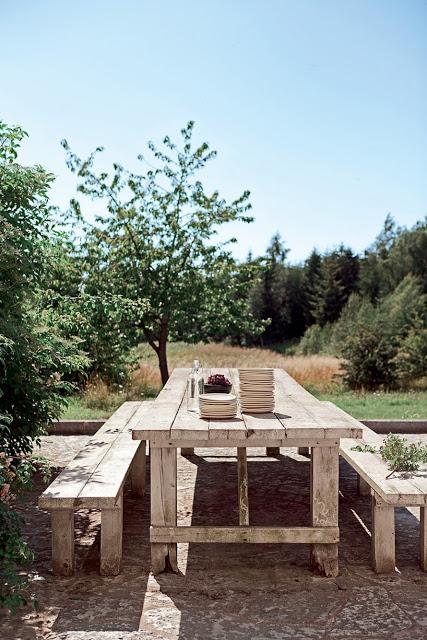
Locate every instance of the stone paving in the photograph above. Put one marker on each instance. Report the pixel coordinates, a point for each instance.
(225, 592)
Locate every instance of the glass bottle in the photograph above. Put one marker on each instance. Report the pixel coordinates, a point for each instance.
(195, 386)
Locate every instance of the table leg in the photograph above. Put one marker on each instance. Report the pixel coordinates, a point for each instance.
(363, 488)
(383, 536)
(324, 506)
(62, 542)
(423, 538)
(111, 539)
(242, 472)
(138, 470)
(163, 506)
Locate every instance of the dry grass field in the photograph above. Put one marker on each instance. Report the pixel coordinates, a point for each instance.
(321, 372)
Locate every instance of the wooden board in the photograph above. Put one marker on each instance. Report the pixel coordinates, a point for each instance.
(324, 506)
(383, 537)
(160, 419)
(250, 443)
(288, 535)
(242, 482)
(163, 506)
(298, 415)
(299, 411)
(394, 490)
(106, 482)
(64, 490)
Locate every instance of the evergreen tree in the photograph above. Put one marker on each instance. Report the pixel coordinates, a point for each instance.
(312, 286)
(267, 297)
(340, 270)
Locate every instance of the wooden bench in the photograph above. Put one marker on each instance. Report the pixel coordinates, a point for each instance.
(94, 479)
(387, 494)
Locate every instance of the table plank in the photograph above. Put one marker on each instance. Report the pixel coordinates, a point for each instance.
(188, 425)
(291, 413)
(159, 419)
(298, 415)
(307, 413)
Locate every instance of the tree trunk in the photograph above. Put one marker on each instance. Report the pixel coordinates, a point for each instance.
(162, 355)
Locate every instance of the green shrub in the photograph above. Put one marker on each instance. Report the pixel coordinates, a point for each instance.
(35, 357)
(369, 354)
(316, 340)
(386, 344)
(402, 455)
(399, 454)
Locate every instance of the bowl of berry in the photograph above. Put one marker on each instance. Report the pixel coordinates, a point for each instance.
(217, 383)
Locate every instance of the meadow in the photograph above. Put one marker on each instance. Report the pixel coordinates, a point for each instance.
(321, 375)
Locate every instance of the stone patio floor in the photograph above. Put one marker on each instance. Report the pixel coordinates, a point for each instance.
(225, 592)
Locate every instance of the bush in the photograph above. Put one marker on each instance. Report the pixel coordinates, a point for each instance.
(316, 340)
(106, 326)
(385, 345)
(34, 355)
(369, 357)
(411, 357)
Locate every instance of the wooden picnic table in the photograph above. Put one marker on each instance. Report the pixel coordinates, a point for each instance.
(299, 420)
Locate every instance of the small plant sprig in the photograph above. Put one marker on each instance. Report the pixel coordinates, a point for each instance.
(398, 453)
(401, 455)
(364, 448)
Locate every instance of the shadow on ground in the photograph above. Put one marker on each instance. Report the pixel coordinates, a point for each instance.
(227, 592)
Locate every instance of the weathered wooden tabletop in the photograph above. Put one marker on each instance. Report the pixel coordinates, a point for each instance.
(297, 416)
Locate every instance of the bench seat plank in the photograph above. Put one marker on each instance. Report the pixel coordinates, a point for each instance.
(394, 490)
(64, 490)
(104, 486)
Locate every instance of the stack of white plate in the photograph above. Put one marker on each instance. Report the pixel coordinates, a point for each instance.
(256, 390)
(217, 405)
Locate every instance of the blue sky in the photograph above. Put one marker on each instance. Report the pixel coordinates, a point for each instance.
(317, 106)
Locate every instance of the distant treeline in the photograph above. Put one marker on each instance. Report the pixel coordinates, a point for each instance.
(296, 297)
(371, 309)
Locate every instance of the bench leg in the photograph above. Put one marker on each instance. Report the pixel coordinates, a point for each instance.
(111, 539)
(138, 471)
(62, 542)
(383, 536)
(304, 451)
(163, 506)
(324, 507)
(242, 472)
(423, 538)
(187, 451)
(271, 452)
(363, 488)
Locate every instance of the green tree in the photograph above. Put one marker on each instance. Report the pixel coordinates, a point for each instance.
(312, 285)
(34, 355)
(339, 278)
(106, 324)
(267, 297)
(396, 253)
(386, 344)
(157, 243)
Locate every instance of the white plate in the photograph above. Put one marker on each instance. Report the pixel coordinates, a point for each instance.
(217, 397)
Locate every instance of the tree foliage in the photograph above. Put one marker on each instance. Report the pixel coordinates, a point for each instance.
(34, 354)
(156, 243)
